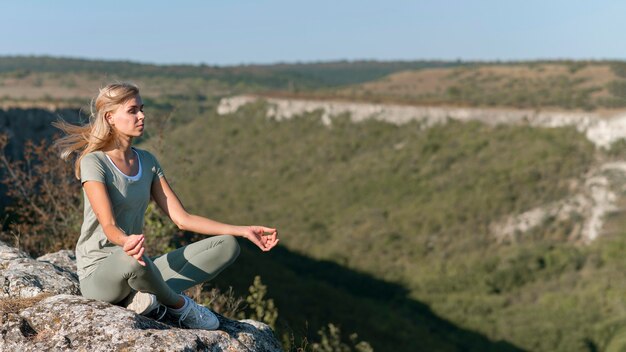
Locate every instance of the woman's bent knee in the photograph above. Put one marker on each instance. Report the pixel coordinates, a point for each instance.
(231, 248)
(111, 291)
(111, 281)
(223, 249)
(132, 265)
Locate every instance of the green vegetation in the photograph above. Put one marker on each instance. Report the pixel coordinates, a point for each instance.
(331, 341)
(262, 309)
(538, 84)
(559, 91)
(565, 85)
(277, 76)
(396, 222)
(46, 212)
(373, 181)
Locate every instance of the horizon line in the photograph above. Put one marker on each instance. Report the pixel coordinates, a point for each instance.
(320, 61)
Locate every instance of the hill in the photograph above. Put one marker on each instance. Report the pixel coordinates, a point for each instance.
(386, 228)
(54, 79)
(564, 85)
(582, 85)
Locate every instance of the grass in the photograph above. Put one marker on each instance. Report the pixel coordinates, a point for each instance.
(15, 305)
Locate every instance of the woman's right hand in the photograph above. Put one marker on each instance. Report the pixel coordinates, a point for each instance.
(134, 247)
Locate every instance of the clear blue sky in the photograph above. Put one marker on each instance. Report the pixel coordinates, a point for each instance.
(264, 31)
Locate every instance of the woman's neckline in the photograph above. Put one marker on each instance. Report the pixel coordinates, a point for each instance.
(132, 178)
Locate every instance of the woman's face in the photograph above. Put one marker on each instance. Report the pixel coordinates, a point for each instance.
(128, 118)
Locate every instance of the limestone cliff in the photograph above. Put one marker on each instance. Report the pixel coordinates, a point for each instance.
(600, 128)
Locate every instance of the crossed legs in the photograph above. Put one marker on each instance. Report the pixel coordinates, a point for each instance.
(166, 276)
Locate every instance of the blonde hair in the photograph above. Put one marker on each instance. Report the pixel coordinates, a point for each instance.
(97, 133)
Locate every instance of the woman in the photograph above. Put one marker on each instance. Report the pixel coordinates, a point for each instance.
(118, 181)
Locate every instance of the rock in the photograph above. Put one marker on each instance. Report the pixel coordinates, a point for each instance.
(67, 321)
(23, 277)
(63, 259)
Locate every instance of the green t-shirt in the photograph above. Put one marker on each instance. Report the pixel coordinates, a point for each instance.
(129, 197)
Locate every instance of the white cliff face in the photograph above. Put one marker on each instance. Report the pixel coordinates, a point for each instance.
(596, 199)
(600, 130)
(603, 133)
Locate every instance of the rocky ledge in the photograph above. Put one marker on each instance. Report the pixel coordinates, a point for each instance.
(41, 309)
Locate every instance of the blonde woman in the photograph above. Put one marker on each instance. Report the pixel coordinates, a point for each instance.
(118, 181)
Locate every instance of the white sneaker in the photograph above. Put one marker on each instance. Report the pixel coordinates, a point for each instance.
(142, 303)
(195, 316)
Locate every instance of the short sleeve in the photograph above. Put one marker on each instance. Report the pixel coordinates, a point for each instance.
(91, 169)
(157, 171)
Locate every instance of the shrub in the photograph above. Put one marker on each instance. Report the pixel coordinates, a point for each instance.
(46, 212)
(159, 231)
(330, 341)
(260, 308)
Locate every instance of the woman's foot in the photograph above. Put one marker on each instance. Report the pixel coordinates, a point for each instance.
(142, 303)
(194, 316)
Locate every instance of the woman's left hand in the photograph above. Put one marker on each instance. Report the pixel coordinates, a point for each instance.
(264, 237)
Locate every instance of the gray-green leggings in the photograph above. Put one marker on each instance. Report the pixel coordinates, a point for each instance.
(166, 276)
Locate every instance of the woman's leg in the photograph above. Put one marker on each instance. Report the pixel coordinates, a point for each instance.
(116, 275)
(197, 262)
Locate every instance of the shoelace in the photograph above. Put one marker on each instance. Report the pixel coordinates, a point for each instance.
(184, 315)
(158, 311)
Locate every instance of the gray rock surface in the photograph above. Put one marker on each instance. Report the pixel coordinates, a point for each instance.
(66, 321)
(63, 259)
(21, 276)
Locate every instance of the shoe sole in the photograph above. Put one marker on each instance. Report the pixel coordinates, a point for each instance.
(142, 303)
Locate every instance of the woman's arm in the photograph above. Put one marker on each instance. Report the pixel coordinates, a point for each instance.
(101, 205)
(167, 200)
